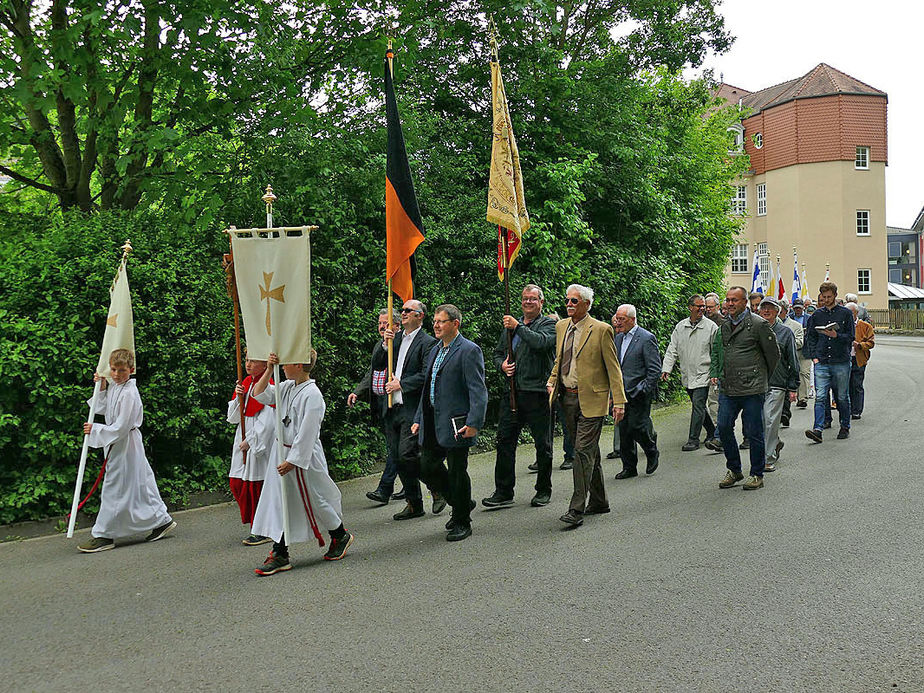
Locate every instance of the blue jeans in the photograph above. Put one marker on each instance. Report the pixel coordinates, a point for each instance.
(751, 408)
(834, 376)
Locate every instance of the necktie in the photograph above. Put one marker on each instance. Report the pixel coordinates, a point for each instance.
(568, 351)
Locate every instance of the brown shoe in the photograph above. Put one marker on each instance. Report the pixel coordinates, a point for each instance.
(731, 478)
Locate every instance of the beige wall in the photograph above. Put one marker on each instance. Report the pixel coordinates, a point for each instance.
(813, 207)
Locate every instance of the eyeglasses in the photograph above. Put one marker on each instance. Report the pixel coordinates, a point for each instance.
(441, 322)
(531, 299)
(571, 300)
(409, 310)
(698, 307)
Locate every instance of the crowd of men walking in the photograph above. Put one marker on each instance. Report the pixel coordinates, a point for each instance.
(749, 355)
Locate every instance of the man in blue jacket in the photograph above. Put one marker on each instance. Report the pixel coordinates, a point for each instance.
(829, 350)
(640, 361)
(449, 416)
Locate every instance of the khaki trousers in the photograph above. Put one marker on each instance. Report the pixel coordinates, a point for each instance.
(805, 378)
(712, 402)
(588, 472)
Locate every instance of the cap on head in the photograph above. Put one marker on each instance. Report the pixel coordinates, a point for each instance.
(771, 301)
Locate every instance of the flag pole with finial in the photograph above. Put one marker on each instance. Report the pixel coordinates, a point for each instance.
(390, 301)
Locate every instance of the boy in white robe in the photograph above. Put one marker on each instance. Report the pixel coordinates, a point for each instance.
(312, 497)
(250, 452)
(130, 502)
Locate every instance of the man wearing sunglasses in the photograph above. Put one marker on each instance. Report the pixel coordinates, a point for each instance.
(585, 377)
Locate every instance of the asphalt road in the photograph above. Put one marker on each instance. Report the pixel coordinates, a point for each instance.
(809, 584)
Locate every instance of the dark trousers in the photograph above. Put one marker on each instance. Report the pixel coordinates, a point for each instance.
(787, 411)
(751, 408)
(392, 437)
(857, 393)
(567, 442)
(532, 411)
(588, 473)
(699, 417)
(453, 483)
(406, 451)
(637, 427)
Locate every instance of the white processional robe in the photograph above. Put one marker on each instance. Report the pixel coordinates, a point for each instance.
(130, 502)
(309, 488)
(260, 432)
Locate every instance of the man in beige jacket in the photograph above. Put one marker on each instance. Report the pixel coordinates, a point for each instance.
(586, 377)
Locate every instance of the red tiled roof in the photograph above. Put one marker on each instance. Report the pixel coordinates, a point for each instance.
(823, 80)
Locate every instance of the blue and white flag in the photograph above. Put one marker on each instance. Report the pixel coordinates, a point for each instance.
(756, 284)
(796, 284)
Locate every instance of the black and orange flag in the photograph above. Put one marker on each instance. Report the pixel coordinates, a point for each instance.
(403, 228)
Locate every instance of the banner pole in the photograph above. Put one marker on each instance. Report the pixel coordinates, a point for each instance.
(510, 356)
(389, 343)
(235, 306)
(82, 466)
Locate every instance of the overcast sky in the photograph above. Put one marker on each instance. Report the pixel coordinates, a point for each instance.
(880, 43)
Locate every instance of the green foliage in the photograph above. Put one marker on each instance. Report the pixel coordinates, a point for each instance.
(625, 170)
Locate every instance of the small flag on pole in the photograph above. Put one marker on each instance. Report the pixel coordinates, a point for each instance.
(403, 227)
(756, 284)
(272, 285)
(780, 290)
(120, 322)
(796, 285)
(506, 202)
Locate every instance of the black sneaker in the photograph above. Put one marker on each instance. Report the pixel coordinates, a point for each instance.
(409, 512)
(614, 455)
(784, 423)
(855, 417)
(533, 468)
(452, 523)
(273, 564)
(459, 532)
(400, 495)
(378, 497)
(690, 446)
(802, 404)
(96, 544)
(338, 547)
(745, 444)
(567, 464)
(255, 540)
(159, 532)
(814, 434)
(541, 499)
(843, 434)
(497, 500)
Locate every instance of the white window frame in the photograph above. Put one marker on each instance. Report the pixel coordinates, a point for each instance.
(863, 221)
(739, 254)
(740, 200)
(758, 141)
(761, 199)
(763, 259)
(869, 280)
(738, 131)
(861, 160)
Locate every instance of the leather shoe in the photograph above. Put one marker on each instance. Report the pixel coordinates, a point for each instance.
(409, 512)
(843, 433)
(400, 495)
(855, 417)
(613, 455)
(745, 444)
(459, 532)
(591, 510)
(451, 523)
(575, 519)
(652, 465)
(802, 404)
(439, 504)
(540, 500)
(496, 500)
(627, 474)
(567, 464)
(533, 468)
(378, 497)
(690, 446)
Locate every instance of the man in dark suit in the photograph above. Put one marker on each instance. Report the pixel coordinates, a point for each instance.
(640, 361)
(411, 347)
(372, 390)
(450, 414)
(533, 353)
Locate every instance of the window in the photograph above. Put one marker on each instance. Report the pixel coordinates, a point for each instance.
(761, 199)
(764, 259)
(895, 275)
(739, 259)
(736, 136)
(895, 250)
(863, 281)
(903, 252)
(740, 200)
(758, 141)
(863, 222)
(862, 161)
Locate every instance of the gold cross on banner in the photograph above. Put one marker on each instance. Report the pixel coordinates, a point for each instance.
(111, 320)
(268, 293)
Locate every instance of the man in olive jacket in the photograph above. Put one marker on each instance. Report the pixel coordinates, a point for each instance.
(533, 338)
(744, 357)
